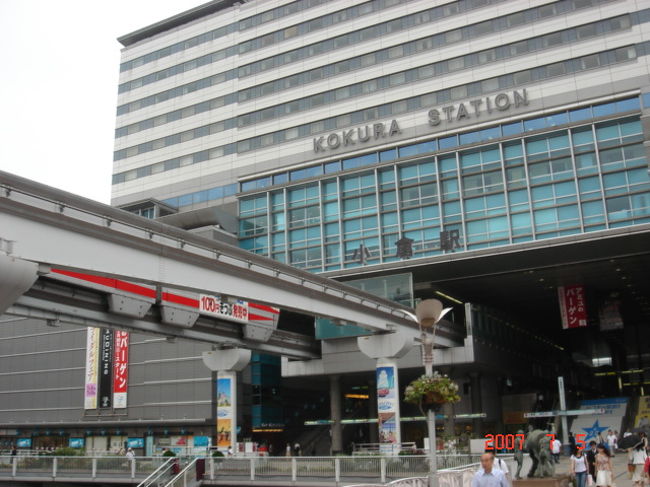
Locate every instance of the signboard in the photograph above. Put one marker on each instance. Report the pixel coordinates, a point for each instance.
(106, 368)
(214, 306)
(92, 365)
(120, 369)
(387, 407)
(592, 425)
(76, 442)
(24, 443)
(225, 409)
(135, 443)
(572, 306)
(609, 315)
(643, 415)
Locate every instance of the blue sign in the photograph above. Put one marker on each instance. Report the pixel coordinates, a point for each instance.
(201, 441)
(76, 442)
(135, 443)
(24, 442)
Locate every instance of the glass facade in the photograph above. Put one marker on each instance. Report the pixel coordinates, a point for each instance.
(571, 172)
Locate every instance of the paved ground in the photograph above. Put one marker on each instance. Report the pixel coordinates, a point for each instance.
(619, 462)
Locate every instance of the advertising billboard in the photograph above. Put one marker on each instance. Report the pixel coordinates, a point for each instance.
(120, 369)
(92, 365)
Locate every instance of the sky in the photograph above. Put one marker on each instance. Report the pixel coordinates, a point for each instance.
(59, 68)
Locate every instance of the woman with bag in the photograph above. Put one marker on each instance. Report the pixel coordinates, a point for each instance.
(579, 467)
(603, 467)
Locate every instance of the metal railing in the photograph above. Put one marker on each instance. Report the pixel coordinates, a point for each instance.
(157, 476)
(186, 477)
(451, 477)
(358, 469)
(77, 467)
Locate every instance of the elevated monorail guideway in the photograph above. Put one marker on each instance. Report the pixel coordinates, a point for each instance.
(68, 259)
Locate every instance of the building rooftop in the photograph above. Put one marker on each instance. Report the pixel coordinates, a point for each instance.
(176, 20)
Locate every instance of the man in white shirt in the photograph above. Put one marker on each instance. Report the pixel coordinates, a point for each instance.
(488, 475)
(556, 447)
(611, 442)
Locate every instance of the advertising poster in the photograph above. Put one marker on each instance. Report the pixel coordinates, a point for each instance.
(387, 407)
(76, 442)
(92, 365)
(224, 410)
(24, 443)
(643, 416)
(593, 425)
(609, 315)
(106, 368)
(120, 369)
(572, 306)
(135, 443)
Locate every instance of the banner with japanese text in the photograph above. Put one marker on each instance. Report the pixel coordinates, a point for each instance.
(120, 369)
(573, 307)
(92, 365)
(106, 368)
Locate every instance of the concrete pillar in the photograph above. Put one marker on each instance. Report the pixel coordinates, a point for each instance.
(226, 363)
(477, 407)
(335, 414)
(386, 349)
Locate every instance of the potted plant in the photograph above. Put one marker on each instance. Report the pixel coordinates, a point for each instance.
(431, 392)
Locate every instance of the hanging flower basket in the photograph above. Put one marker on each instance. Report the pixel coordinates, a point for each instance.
(431, 392)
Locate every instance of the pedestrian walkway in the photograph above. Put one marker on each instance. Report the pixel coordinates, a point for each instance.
(619, 462)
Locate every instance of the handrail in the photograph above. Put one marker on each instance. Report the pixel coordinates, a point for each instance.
(191, 467)
(156, 473)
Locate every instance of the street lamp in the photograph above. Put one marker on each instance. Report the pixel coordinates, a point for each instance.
(427, 314)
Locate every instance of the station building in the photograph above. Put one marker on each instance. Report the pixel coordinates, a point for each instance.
(488, 153)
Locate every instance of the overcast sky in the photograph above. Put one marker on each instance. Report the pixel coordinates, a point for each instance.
(58, 86)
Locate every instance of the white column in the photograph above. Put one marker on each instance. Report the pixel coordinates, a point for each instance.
(226, 363)
(386, 349)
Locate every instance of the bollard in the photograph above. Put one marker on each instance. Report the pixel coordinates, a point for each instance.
(337, 470)
(94, 468)
(294, 469)
(133, 468)
(14, 466)
(211, 468)
(382, 467)
(252, 468)
(54, 465)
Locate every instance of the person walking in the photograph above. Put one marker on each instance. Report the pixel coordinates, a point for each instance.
(572, 441)
(556, 447)
(579, 467)
(502, 465)
(288, 450)
(639, 456)
(488, 475)
(591, 459)
(611, 442)
(603, 467)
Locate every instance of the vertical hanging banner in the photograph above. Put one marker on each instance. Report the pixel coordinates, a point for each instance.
(572, 306)
(106, 368)
(226, 412)
(92, 364)
(609, 315)
(388, 408)
(120, 369)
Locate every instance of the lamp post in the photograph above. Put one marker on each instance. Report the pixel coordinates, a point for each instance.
(428, 313)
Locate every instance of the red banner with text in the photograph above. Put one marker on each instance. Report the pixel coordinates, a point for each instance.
(572, 306)
(120, 369)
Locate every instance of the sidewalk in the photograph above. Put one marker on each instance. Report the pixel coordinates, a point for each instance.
(619, 462)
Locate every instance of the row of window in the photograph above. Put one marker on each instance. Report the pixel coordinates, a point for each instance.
(241, 25)
(503, 82)
(305, 52)
(582, 142)
(322, 247)
(321, 225)
(267, 40)
(440, 68)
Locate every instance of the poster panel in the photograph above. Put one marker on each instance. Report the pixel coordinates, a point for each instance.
(92, 365)
(595, 425)
(120, 369)
(388, 408)
(643, 415)
(572, 306)
(106, 368)
(225, 409)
